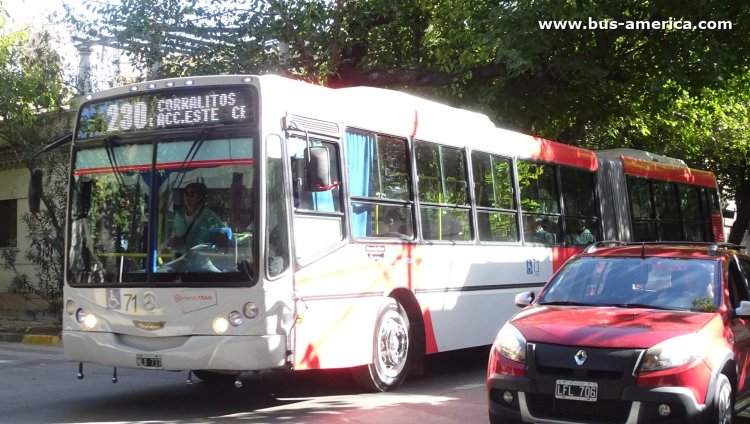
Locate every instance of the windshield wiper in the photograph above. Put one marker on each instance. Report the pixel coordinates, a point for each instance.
(638, 305)
(192, 152)
(565, 303)
(109, 148)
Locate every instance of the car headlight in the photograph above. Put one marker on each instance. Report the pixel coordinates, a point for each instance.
(674, 352)
(510, 344)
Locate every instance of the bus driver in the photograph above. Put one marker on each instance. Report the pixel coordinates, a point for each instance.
(193, 222)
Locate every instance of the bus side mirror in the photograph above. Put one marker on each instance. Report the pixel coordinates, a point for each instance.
(35, 191)
(318, 169)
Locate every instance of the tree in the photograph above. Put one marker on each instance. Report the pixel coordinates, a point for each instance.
(31, 114)
(617, 82)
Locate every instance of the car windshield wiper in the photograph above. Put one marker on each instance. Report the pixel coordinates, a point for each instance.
(638, 305)
(565, 303)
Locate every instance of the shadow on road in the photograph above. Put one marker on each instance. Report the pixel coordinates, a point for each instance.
(268, 397)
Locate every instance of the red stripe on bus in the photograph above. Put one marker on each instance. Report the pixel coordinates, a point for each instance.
(167, 165)
(202, 163)
(661, 171)
(717, 225)
(108, 169)
(560, 255)
(565, 154)
(416, 124)
(430, 342)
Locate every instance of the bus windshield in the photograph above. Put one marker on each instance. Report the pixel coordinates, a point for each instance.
(176, 211)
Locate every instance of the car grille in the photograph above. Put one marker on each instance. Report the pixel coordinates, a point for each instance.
(612, 369)
(605, 411)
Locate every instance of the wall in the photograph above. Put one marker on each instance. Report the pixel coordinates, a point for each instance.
(14, 185)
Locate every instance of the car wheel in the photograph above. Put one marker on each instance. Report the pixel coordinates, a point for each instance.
(722, 407)
(391, 350)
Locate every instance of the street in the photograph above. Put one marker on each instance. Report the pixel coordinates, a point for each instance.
(40, 386)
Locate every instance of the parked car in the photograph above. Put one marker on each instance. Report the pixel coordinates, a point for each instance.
(629, 333)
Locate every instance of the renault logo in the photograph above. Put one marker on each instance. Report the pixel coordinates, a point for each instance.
(580, 357)
(149, 301)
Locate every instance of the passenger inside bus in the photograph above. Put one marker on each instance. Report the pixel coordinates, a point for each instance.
(540, 231)
(193, 222)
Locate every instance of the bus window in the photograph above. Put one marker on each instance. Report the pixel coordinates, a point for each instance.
(318, 220)
(692, 210)
(496, 203)
(108, 209)
(443, 194)
(379, 185)
(539, 202)
(277, 239)
(579, 199)
(667, 211)
(641, 209)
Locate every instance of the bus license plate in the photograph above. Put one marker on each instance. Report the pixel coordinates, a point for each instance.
(576, 390)
(148, 361)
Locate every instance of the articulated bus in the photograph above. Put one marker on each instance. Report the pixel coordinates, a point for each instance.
(352, 228)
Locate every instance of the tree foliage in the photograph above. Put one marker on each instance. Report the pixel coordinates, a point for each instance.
(31, 114)
(664, 89)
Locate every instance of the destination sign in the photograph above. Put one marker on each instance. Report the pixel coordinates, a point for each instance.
(179, 108)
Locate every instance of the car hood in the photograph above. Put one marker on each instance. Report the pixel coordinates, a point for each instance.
(607, 327)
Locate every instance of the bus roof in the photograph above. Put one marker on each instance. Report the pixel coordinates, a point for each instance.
(660, 171)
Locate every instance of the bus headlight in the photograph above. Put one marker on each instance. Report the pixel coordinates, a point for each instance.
(235, 318)
(80, 315)
(250, 310)
(70, 307)
(89, 321)
(220, 325)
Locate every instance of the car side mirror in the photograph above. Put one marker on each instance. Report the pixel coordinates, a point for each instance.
(524, 299)
(744, 309)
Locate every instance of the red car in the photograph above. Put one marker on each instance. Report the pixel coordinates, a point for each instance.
(629, 333)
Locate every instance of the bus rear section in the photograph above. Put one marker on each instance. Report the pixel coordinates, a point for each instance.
(649, 197)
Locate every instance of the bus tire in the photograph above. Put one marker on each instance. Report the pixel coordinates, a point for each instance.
(392, 350)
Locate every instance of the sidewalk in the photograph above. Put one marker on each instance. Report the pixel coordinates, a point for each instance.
(17, 326)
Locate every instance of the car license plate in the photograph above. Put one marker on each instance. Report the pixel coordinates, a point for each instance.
(148, 361)
(576, 390)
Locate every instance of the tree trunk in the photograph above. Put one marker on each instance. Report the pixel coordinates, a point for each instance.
(741, 221)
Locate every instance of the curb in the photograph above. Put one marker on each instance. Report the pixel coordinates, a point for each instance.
(41, 339)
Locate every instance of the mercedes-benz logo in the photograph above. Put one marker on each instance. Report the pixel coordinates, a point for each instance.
(580, 357)
(149, 301)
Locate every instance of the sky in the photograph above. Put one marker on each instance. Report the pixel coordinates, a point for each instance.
(34, 14)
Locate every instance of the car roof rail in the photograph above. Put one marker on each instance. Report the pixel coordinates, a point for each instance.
(712, 246)
(603, 243)
(723, 245)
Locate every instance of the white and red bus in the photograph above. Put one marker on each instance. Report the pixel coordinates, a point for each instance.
(360, 228)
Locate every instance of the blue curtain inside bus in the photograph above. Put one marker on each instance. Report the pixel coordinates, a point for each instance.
(359, 156)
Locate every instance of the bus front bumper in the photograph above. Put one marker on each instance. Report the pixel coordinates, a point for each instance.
(180, 353)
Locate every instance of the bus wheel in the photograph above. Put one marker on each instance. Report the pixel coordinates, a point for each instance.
(391, 351)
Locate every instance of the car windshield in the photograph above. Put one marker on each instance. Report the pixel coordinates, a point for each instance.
(659, 283)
